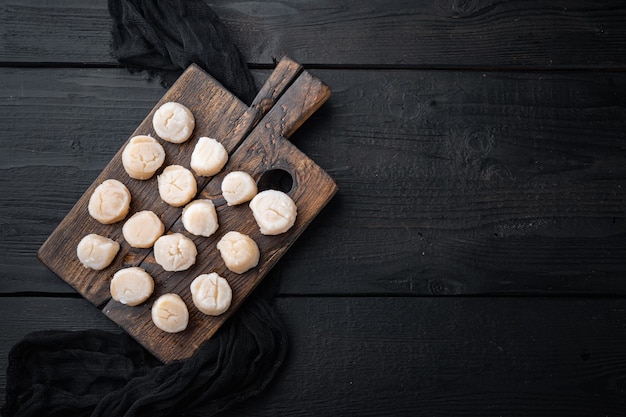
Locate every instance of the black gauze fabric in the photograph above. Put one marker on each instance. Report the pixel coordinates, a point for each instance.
(165, 37)
(96, 373)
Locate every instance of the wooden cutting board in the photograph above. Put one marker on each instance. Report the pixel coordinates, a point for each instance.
(255, 140)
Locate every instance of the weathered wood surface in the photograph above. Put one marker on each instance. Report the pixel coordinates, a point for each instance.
(453, 357)
(192, 90)
(499, 182)
(288, 99)
(478, 147)
(424, 34)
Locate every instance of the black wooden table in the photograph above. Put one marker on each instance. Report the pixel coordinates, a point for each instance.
(474, 260)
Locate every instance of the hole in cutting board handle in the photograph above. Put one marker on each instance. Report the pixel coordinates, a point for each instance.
(275, 179)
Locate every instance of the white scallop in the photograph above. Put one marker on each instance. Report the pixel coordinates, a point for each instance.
(142, 157)
(200, 218)
(175, 252)
(109, 202)
(274, 211)
(170, 313)
(211, 294)
(239, 252)
(177, 185)
(131, 286)
(96, 252)
(173, 122)
(208, 157)
(142, 229)
(238, 187)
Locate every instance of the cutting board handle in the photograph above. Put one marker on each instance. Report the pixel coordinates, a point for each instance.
(287, 98)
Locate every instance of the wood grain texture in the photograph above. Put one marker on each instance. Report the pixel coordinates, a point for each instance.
(450, 357)
(264, 149)
(457, 183)
(415, 356)
(60, 128)
(288, 99)
(425, 34)
(456, 176)
(451, 182)
(216, 112)
(260, 152)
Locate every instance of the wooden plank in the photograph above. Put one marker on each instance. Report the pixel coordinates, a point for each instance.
(39, 29)
(63, 126)
(424, 34)
(406, 261)
(449, 356)
(464, 183)
(412, 356)
(311, 190)
(219, 115)
(286, 101)
(216, 112)
(451, 182)
(263, 151)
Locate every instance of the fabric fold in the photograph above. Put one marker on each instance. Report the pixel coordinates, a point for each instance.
(165, 37)
(97, 373)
